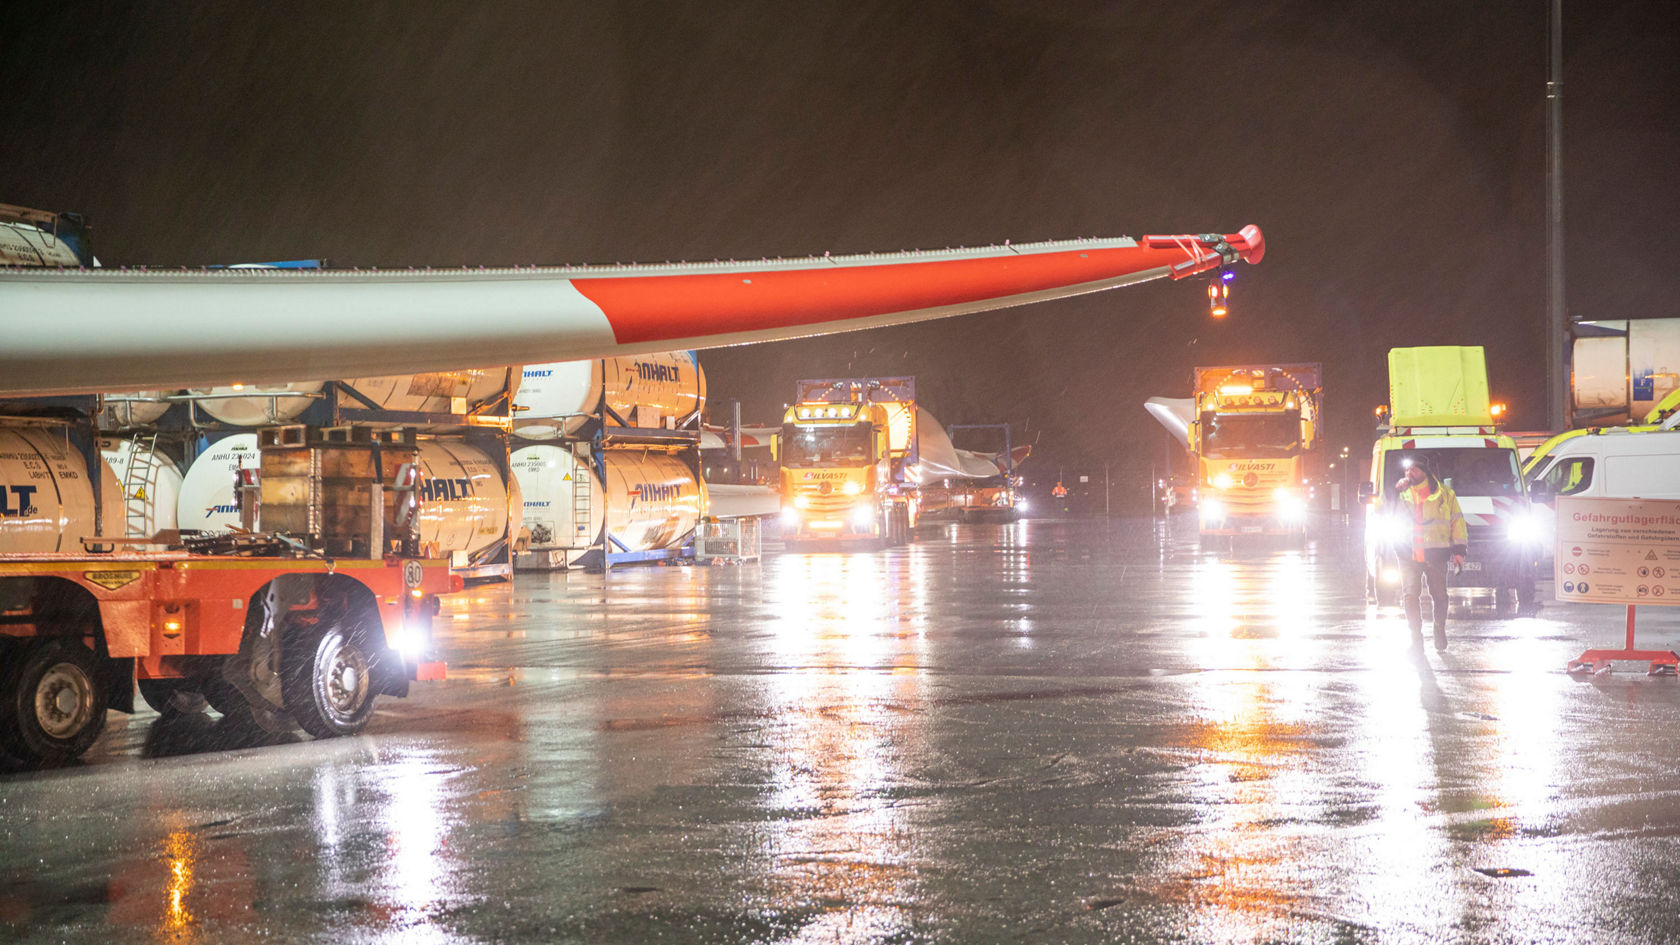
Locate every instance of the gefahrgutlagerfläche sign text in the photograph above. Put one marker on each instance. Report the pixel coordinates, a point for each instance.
(1618, 551)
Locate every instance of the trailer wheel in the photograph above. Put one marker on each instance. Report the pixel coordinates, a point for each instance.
(327, 677)
(172, 697)
(54, 702)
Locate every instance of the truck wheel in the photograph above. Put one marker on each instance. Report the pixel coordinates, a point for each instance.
(172, 697)
(327, 678)
(54, 702)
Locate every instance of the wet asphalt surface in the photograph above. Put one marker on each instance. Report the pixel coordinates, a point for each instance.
(1041, 732)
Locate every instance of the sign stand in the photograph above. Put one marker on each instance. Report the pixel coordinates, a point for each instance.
(1619, 551)
(1663, 662)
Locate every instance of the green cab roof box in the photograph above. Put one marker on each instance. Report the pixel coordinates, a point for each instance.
(1440, 386)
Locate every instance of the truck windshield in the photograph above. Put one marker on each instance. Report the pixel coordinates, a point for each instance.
(1238, 435)
(1472, 471)
(825, 445)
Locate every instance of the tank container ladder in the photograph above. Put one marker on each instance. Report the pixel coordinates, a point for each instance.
(582, 502)
(142, 461)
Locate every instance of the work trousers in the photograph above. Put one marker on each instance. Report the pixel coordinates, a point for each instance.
(1433, 569)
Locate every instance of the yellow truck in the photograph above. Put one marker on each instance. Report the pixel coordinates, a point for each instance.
(1439, 410)
(1254, 437)
(848, 462)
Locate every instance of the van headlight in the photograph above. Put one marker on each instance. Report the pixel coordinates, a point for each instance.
(1389, 530)
(1523, 529)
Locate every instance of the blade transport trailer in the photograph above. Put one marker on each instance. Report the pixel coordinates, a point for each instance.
(306, 626)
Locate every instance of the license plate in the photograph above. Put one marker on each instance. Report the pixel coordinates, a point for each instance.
(1472, 565)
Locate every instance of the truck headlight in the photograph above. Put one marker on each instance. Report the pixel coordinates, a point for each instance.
(790, 517)
(410, 640)
(852, 487)
(863, 516)
(1223, 481)
(1212, 509)
(801, 501)
(1291, 507)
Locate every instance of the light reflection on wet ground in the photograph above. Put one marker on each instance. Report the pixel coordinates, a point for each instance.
(1044, 732)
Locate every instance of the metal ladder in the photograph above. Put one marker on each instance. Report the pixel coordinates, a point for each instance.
(142, 460)
(582, 500)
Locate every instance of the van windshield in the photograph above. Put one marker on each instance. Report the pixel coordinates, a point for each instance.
(1468, 471)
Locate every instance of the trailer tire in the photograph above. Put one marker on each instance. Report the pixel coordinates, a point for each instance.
(171, 698)
(327, 677)
(52, 701)
(226, 698)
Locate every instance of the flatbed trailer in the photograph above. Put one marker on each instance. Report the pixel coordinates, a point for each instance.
(305, 639)
(301, 625)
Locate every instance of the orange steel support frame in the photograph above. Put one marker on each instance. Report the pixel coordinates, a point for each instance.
(1663, 662)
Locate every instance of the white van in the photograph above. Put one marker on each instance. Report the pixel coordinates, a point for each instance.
(1602, 462)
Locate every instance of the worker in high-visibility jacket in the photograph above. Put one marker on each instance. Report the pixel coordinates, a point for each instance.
(1439, 536)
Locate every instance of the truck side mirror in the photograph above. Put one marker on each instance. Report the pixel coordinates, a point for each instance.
(1366, 490)
(1541, 491)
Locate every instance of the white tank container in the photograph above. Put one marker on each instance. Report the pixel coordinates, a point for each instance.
(463, 499)
(1619, 377)
(431, 393)
(255, 405)
(24, 245)
(649, 501)
(46, 499)
(206, 501)
(648, 390)
(150, 483)
(133, 409)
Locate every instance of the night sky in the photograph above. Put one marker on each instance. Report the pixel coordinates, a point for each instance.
(1394, 155)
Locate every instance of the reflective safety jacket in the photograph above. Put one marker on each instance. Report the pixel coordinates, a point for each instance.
(1436, 520)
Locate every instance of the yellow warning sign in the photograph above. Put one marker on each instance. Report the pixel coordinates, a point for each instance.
(140, 493)
(111, 580)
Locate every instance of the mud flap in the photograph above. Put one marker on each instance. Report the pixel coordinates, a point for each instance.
(255, 669)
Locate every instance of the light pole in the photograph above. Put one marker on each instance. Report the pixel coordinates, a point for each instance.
(1557, 315)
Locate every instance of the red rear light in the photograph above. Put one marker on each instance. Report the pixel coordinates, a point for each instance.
(457, 584)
